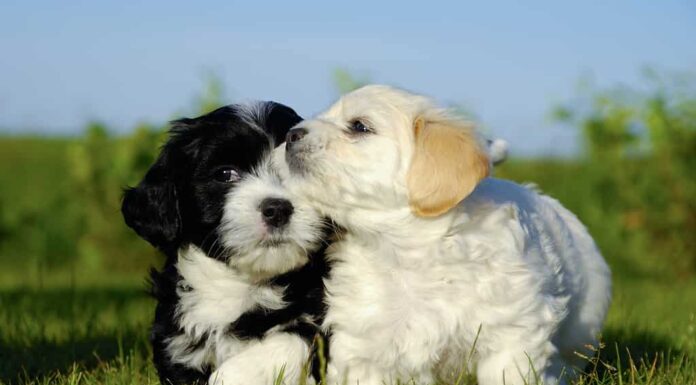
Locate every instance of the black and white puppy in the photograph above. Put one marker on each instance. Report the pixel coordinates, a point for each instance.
(241, 294)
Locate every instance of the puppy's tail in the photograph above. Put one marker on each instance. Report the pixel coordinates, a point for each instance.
(497, 150)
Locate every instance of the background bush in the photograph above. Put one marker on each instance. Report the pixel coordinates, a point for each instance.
(73, 305)
(639, 161)
(60, 198)
(633, 184)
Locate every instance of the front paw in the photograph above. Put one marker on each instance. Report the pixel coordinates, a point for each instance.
(280, 356)
(232, 375)
(243, 372)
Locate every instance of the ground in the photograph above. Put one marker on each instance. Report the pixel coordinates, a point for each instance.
(93, 330)
(74, 307)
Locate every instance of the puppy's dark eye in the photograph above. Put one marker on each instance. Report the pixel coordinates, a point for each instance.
(226, 175)
(359, 127)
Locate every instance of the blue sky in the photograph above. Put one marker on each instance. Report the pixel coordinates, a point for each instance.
(63, 63)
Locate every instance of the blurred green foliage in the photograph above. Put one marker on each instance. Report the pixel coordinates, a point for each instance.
(633, 186)
(639, 163)
(345, 81)
(73, 309)
(60, 198)
(101, 165)
(39, 222)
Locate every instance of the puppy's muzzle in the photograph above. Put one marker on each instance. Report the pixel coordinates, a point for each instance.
(276, 212)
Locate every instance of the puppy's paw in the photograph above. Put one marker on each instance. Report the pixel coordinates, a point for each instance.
(280, 355)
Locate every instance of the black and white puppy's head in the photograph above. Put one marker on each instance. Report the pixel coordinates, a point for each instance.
(213, 186)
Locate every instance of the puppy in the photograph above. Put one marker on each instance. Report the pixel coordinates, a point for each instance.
(240, 293)
(441, 268)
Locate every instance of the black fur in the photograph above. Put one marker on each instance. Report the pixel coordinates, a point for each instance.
(179, 202)
(165, 325)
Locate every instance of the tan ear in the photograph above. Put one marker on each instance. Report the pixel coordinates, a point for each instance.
(447, 164)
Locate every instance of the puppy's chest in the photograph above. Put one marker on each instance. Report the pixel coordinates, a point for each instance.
(370, 287)
(211, 299)
(216, 304)
(399, 313)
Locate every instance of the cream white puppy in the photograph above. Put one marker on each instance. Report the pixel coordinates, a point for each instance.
(441, 267)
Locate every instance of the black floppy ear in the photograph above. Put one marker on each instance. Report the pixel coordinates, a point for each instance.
(280, 120)
(152, 209)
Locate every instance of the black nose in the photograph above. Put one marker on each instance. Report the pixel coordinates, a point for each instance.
(276, 212)
(295, 135)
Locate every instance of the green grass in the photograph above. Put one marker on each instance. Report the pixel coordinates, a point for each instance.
(55, 332)
(65, 321)
(96, 333)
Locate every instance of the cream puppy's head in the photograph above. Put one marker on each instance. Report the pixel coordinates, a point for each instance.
(382, 149)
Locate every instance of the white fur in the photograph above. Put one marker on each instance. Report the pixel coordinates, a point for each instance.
(257, 250)
(408, 295)
(265, 360)
(498, 150)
